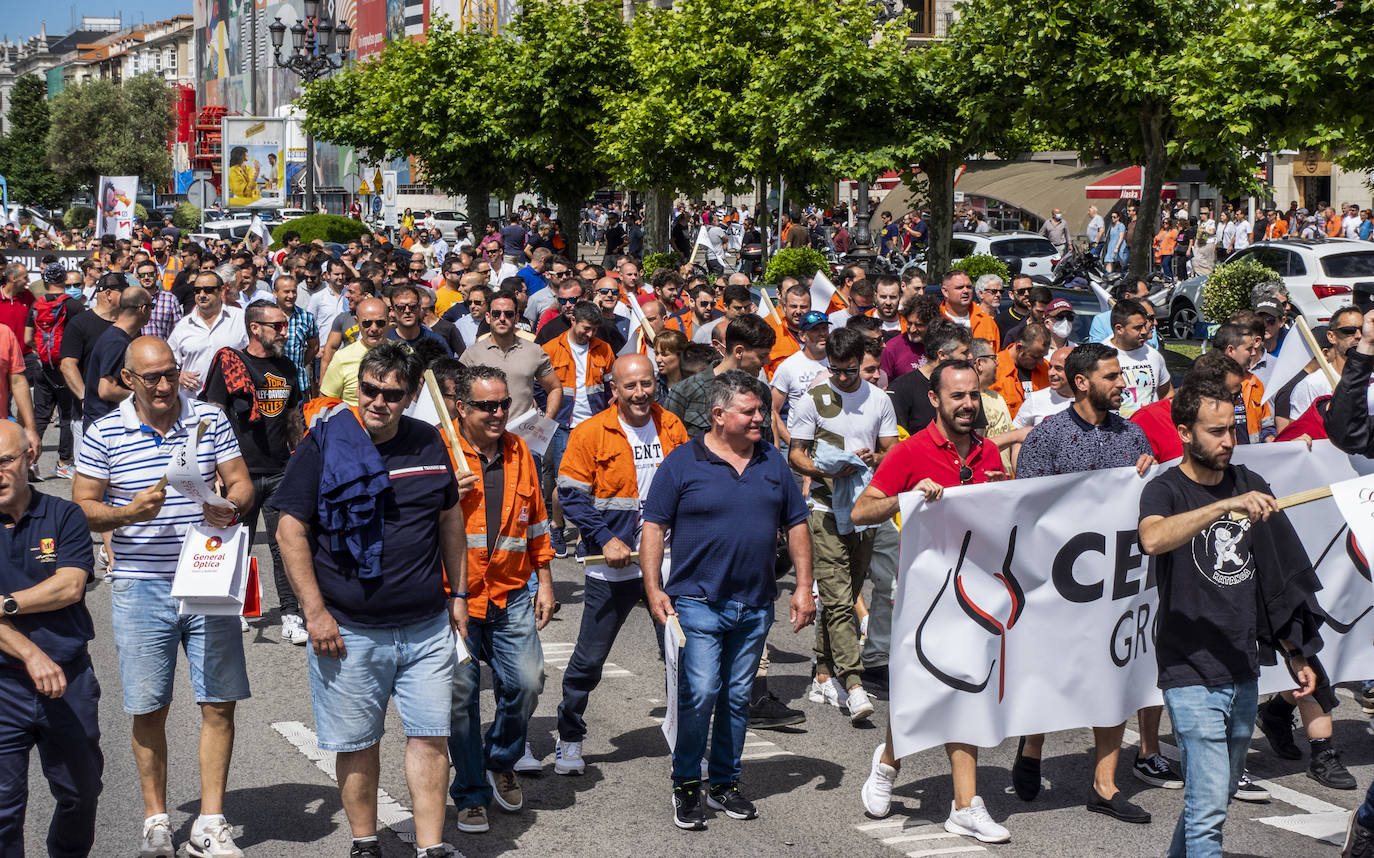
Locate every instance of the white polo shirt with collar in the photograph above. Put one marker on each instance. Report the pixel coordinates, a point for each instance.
(194, 342)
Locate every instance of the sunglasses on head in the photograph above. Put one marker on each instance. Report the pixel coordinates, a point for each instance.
(391, 395)
(489, 406)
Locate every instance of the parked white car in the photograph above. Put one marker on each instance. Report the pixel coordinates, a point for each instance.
(1321, 276)
(1023, 252)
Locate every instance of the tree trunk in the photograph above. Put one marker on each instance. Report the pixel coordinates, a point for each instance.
(939, 172)
(476, 197)
(656, 207)
(1151, 183)
(570, 215)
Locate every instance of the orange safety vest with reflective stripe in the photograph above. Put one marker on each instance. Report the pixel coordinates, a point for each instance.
(522, 543)
(599, 360)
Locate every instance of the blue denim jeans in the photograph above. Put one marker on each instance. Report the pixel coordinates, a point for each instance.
(715, 676)
(1213, 725)
(507, 640)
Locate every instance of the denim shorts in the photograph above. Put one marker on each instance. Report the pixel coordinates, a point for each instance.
(413, 663)
(147, 632)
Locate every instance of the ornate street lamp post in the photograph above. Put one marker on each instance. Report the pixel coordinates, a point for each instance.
(311, 57)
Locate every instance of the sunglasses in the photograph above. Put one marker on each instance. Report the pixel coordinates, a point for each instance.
(391, 395)
(569, 301)
(372, 323)
(405, 308)
(607, 291)
(151, 379)
(205, 290)
(491, 251)
(1347, 331)
(501, 314)
(1020, 291)
(1061, 316)
(489, 406)
(847, 372)
(965, 475)
(148, 274)
(276, 326)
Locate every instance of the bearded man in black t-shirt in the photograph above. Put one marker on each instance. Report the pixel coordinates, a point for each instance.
(1230, 593)
(259, 390)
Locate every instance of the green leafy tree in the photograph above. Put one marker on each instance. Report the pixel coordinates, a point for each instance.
(102, 129)
(564, 59)
(1108, 77)
(325, 227)
(441, 101)
(22, 150)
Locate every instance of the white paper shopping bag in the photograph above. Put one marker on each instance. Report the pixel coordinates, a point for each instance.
(213, 566)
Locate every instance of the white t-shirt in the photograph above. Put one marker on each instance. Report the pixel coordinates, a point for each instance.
(864, 416)
(1039, 405)
(648, 455)
(582, 407)
(1242, 236)
(1309, 389)
(1144, 371)
(1351, 226)
(795, 374)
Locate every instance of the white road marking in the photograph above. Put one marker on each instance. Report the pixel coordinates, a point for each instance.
(390, 812)
(894, 832)
(1320, 820)
(557, 654)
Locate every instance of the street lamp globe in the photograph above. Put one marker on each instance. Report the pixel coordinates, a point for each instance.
(278, 32)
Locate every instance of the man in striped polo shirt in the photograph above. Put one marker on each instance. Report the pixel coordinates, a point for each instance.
(122, 459)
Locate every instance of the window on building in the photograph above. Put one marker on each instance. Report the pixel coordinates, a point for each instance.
(923, 17)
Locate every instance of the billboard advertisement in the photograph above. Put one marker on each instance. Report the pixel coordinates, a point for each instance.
(254, 166)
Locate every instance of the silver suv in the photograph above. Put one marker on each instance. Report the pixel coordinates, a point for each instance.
(1023, 252)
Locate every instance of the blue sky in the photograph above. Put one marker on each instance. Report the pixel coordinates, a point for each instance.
(22, 19)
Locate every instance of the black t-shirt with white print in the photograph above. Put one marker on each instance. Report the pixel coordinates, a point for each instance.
(1207, 631)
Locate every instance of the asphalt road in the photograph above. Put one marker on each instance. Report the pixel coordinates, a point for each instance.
(805, 781)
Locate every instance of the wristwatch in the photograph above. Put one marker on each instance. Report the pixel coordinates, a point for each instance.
(9, 605)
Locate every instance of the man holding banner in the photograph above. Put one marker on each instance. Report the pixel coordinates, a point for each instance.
(1212, 572)
(946, 453)
(1088, 436)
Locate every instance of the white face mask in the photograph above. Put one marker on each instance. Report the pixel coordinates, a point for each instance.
(1058, 217)
(1062, 328)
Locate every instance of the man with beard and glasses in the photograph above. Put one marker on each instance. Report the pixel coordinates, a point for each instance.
(1087, 436)
(1220, 611)
(258, 389)
(947, 452)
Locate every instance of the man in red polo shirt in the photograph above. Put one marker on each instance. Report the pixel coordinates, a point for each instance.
(946, 453)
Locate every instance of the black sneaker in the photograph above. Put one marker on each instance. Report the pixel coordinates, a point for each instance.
(556, 541)
(727, 797)
(1248, 790)
(1157, 772)
(1278, 729)
(1025, 774)
(689, 813)
(365, 849)
(1359, 841)
(1366, 700)
(1326, 769)
(769, 713)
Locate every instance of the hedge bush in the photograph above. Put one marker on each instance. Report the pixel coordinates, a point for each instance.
(140, 212)
(655, 261)
(795, 262)
(978, 264)
(1228, 288)
(187, 217)
(326, 227)
(77, 217)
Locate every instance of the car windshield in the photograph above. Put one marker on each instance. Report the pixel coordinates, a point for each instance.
(1023, 247)
(1358, 264)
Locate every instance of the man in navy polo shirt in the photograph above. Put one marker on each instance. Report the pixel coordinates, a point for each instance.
(371, 584)
(48, 693)
(722, 585)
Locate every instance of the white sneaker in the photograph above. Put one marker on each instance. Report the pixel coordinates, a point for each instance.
(215, 840)
(860, 707)
(567, 758)
(529, 763)
(157, 838)
(243, 624)
(293, 629)
(877, 791)
(827, 692)
(973, 821)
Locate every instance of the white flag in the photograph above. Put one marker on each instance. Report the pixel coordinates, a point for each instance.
(258, 228)
(1293, 356)
(821, 292)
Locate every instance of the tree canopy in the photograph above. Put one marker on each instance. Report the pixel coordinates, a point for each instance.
(106, 129)
(22, 160)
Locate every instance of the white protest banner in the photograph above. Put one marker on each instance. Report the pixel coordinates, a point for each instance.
(535, 428)
(1355, 499)
(114, 204)
(1293, 355)
(821, 292)
(1027, 607)
(673, 641)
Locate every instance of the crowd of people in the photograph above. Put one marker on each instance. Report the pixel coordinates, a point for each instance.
(680, 404)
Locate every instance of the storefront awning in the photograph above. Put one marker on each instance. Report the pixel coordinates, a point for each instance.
(1125, 185)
